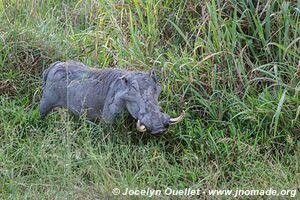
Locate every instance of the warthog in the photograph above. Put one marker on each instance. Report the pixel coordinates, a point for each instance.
(103, 93)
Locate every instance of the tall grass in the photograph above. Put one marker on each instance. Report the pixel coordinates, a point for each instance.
(232, 65)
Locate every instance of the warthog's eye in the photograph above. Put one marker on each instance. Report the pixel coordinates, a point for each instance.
(134, 87)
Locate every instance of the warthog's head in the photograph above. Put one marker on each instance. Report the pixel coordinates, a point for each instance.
(141, 99)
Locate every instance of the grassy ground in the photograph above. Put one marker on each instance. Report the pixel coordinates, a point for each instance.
(234, 66)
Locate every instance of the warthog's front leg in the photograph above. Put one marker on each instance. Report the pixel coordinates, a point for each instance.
(113, 105)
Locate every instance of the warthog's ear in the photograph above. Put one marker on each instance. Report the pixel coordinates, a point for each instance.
(153, 74)
(124, 79)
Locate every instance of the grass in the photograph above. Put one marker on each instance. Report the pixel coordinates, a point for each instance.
(232, 65)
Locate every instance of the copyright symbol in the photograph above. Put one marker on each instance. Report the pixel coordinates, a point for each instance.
(116, 191)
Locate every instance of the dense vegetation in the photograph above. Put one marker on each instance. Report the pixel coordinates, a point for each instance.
(234, 66)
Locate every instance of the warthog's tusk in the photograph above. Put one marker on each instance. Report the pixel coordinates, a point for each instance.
(141, 128)
(177, 119)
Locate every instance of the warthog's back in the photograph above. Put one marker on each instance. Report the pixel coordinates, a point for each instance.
(77, 87)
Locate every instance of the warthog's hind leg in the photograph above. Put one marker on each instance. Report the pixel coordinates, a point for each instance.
(45, 108)
(48, 103)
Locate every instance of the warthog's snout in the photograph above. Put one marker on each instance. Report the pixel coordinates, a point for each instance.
(158, 125)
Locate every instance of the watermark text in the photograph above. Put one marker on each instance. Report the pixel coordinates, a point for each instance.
(169, 191)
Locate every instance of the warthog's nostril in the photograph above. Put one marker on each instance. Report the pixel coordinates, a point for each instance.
(159, 131)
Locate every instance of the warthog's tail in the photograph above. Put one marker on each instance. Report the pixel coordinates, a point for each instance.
(46, 72)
